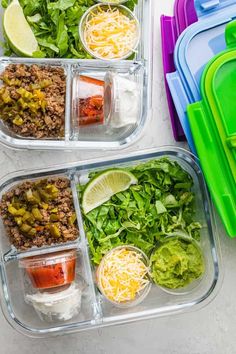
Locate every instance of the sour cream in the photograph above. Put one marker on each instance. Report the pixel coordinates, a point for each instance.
(122, 100)
(61, 305)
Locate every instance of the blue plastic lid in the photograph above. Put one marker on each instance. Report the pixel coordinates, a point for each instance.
(208, 7)
(196, 46)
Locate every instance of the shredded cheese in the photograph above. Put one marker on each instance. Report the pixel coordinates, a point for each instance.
(110, 34)
(123, 275)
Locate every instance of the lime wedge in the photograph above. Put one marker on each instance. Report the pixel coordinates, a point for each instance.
(18, 32)
(104, 186)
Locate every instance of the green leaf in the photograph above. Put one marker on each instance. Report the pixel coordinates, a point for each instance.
(62, 36)
(34, 19)
(39, 54)
(61, 5)
(5, 3)
(46, 44)
(160, 207)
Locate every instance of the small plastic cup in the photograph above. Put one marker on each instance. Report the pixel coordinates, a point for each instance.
(97, 8)
(188, 288)
(50, 270)
(59, 305)
(90, 104)
(121, 100)
(140, 295)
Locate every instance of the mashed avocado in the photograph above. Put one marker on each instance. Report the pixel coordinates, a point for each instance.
(176, 263)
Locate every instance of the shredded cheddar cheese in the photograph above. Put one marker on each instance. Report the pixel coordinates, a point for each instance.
(110, 34)
(123, 275)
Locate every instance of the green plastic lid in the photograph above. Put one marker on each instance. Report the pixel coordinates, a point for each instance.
(213, 125)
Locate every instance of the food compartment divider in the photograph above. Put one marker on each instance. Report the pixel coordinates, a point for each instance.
(84, 246)
(11, 257)
(144, 12)
(157, 301)
(4, 62)
(9, 251)
(22, 315)
(72, 136)
(134, 71)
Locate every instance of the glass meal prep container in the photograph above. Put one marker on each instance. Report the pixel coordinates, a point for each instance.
(18, 296)
(89, 113)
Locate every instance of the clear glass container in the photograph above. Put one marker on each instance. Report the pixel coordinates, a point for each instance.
(100, 136)
(95, 310)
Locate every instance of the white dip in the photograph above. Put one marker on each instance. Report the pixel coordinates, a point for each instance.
(62, 305)
(125, 100)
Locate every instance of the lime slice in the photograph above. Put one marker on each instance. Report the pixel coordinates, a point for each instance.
(18, 32)
(104, 186)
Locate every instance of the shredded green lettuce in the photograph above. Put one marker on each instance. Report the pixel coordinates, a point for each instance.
(56, 26)
(162, 203)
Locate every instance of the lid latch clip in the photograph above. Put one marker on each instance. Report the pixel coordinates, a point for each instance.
(230, 34)
(231, 141)
(207, 5)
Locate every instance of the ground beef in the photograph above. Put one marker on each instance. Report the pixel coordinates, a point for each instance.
(59, 206)
(32, 100)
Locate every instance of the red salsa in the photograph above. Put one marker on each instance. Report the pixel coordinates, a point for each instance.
(51, 270)
(91, 101)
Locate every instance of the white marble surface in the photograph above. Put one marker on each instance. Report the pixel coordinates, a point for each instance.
(210, 330)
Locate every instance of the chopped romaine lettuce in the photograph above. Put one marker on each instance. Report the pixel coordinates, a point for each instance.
(162, 203)
(56, 26)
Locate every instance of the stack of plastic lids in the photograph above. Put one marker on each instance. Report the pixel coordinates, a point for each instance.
(171, 28)
(213, 124)
(195, 47)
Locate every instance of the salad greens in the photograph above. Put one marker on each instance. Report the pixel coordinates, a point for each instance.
(161, 204)
(55, 25)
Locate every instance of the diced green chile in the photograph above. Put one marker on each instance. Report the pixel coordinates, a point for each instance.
(54, 231)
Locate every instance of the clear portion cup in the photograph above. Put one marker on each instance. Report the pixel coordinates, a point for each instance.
(140, 295)
(178, 271)
(61, 304)
(90, 100)
(90, 47)
(50, 270)
(122, 99)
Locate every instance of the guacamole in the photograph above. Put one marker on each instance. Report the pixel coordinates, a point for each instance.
(176, 263)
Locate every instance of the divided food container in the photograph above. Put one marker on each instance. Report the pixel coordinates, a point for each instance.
(95, 310)
(194, 48)
(212, 122)
(96, 136)
(171, 28)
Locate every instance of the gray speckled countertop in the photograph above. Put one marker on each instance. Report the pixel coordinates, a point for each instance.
(210, 330)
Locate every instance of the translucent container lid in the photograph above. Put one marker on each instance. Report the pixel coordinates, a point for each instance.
(212, 121)
(207, 34)
(48, 259)
(171, 28)
(95, 310)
